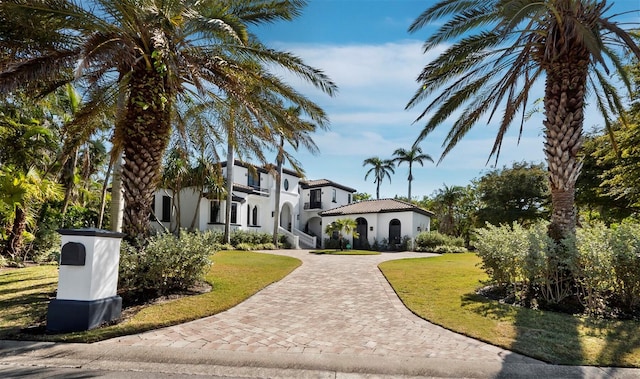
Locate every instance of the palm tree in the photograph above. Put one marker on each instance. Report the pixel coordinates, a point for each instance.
(498, 50)
(161, 55)
(447, 199)
(415, 154)
(381, 169)
(295, 131)
(342, 225)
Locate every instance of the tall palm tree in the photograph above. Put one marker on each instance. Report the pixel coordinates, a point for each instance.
(381, 168)
(294, 130)
(416, 155)
(161, 55)
(498, 50)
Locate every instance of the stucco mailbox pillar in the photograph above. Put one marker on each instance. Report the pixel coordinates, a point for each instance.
(88, 281)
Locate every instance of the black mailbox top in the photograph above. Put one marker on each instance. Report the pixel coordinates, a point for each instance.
(73, 254)
(91, 232)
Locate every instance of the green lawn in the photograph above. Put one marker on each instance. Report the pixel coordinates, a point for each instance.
(441, 290)
(344, 252)
(234, 276)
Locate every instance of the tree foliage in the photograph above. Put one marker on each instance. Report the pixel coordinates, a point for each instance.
(517, 193)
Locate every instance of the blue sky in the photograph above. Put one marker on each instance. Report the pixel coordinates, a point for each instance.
(364, 46)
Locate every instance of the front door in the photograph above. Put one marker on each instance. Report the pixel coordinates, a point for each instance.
(362, 229)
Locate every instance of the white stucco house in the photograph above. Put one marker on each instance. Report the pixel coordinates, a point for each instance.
(380, 220)
(305, 206)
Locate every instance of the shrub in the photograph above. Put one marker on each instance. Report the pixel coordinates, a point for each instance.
(443, 249)
(428, 241)
(266, 246)
(244, 247)
(625, 244)
(167, 264)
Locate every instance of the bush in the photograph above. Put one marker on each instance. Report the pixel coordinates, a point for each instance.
(244, 247)
(625, 245)
(167, 264)
(443, 249)
(429, 241)
(599, 267)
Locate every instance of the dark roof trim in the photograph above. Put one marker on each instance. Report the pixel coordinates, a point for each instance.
(321, 183)
(260, 169)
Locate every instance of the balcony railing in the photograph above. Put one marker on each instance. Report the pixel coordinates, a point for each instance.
(313, 205)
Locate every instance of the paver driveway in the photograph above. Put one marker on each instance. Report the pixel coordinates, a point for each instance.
(330, 304)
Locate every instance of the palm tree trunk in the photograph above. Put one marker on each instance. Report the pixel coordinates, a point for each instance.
(564, 103)
(14, 241)
(68, 178)
(276, 213)
(103, 196)
(230, 166)
(147, 131)
(410, 180)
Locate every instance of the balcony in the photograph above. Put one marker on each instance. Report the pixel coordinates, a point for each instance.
(313, 205)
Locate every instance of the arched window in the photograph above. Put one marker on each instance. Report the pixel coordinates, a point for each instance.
(254, 215)
(394, 231)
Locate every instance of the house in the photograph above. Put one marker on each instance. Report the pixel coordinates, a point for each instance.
(305, 206)
(253, 205)
(379, 220)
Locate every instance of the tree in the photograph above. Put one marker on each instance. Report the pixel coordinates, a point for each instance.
(416, 155)
(28, 147)
(499, 51)
(296, 136)
(340, 226)
(595, 197)
(361, 196)
(161, 55)
(381, 169)
(518, 193)
(446, 200)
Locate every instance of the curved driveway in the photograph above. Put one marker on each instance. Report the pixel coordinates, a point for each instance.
(330, 304)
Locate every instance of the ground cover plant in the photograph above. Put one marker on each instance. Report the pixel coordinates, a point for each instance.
(442, 290)
(344, 252)
(233, 277)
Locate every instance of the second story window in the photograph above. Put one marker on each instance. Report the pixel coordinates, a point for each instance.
(253, 180)
(334, 195)
(315, 199)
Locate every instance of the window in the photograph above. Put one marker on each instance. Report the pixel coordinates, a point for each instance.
(334, 195)
(349, 199)
(166, 209)
(214, 211)
(254, 218)
(254, 180)
(286, 184)
(315, 200)
(234, 213)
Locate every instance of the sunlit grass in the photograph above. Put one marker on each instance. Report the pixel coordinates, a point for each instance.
(442, 290)
(234, 276)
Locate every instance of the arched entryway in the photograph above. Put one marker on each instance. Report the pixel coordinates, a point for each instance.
(394, 232)
(362, 228)
(286, 216)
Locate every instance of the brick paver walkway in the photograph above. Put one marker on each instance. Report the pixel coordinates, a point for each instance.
(330, 304)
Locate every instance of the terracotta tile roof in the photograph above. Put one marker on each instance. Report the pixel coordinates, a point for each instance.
(376, 206)
(306, 184)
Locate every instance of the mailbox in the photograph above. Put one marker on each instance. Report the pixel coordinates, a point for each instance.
(73, 254)
(88, 281)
